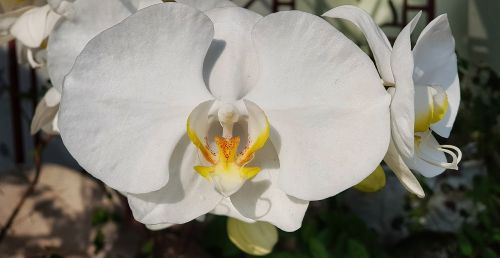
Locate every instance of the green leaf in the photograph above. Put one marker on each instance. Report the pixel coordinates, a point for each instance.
(356, 249)
(464, 246)
(147, 248)
(99, 241)
(317, 248)
(100, 217)
(488, 253)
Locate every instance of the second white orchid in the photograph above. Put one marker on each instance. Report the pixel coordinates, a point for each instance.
(425, 93)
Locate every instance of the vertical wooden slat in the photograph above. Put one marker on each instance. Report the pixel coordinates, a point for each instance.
(15, 101)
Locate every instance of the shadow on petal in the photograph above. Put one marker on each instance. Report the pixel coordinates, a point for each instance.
(214, 52)
(275, 138)
(267, 157)
(180, 178)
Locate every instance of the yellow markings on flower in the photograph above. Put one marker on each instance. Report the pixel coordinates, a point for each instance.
(431, 105)
(227, 149)
(44, 43)
(204, 149)
(226, 163)
(227, 169)
(374, 182)
(204, 171)
(440, 107)
(256, 238)
(259, 142)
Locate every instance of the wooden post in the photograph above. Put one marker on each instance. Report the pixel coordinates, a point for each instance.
(15, 103)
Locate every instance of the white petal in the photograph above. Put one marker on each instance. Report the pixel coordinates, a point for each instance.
(258, 131)
(34, 26)
(405, 176)
(55, 126)
(62, 7)
(231, 66)
(52, 97)
(70, 36)
(205, 5)
(158, 226)
(436, 64)
(325, 101)
(185, 197)
(402, 104)
(140, 4)
(261, 199)
(427, 148)
(431, 105)
(377, 40)
(7, 20)
(226, 208)
(46, 112)
(127, 100)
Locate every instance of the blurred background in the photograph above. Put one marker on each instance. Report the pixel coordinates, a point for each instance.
(60, 211)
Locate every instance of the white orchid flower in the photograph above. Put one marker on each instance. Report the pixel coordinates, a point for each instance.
(35, 25)
(84, 19)
(425, 89)
(276, 109)
(10, 11)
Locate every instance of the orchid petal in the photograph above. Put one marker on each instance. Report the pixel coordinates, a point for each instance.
(52, 97)
(256, 238)
(436, 64)
(62, 7)
(427, 148)
(198, 125)
(34, 26)
(402, 104)
(140, 4)
(431, 105)
(226, 208)
(70, 36)
(7, 20)
(185, 197)
(377, 40)
(396, 163)
(122, 114)
(205, 5)
(261, 199)
(45, 113)
(160, 226)
(231, 66)
(326, 93)
(258, 131)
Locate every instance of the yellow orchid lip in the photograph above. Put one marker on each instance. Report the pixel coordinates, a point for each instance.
(227, 168)
(431, 106)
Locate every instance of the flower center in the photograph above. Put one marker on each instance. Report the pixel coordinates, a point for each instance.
(431, 105)
(226, 168)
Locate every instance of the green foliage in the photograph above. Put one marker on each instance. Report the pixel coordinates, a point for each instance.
(479, 123)
(99, 241)
(100, 217)
(147, 249)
